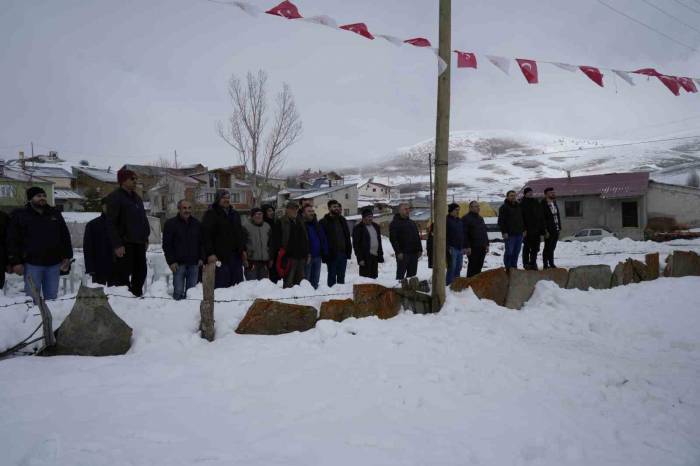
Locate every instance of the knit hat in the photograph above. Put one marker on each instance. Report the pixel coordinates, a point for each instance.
(124, 174)
(367, 212)
(255, 210)
(452, 207)
(33, 191)
(292, 205)
(527, 190)
(219, 194)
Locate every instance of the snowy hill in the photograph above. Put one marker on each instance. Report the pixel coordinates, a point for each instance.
(488, 163)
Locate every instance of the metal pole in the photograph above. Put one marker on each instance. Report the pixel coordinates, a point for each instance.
(442, 139)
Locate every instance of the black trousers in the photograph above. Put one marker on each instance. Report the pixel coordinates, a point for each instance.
(131, 269)
(371, 267)
(408, 267)
(550, 244)
(476, 261)
(531, 247)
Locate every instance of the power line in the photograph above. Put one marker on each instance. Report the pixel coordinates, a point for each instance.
(690, 8)
(651, 28)
(620, 145)
(652, 125)
(671, 16)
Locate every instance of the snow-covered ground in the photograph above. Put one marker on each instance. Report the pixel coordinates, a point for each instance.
(600, 377)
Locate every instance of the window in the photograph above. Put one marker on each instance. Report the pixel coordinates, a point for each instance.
(596, 233)
(581, 233)
(346, 212)
(210, 197)
(236, 197)
(630, 217)
(573, 209)
(347, 196)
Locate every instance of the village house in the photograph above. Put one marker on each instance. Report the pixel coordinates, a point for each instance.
(229, 178)
(345, 194)
(622, 203)
(375, 190)
(102, 181)
(14, 184)
(165, 195)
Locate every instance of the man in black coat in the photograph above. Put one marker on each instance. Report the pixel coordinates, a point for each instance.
(4, 225)
(182, 246)
(552, 226)
(406, 242)
(291, 241)
(533, 219)
(367, 242)
(339, 245)
(223, 240)
(98, 251)
(129, 232)
(476, 239)
(269, 218)
(38, 244)
(510, 221)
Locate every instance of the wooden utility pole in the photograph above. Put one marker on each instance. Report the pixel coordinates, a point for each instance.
(430, 171)
(206, 307)
(442, 140)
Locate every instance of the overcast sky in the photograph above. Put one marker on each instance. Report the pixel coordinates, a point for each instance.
(116, 81)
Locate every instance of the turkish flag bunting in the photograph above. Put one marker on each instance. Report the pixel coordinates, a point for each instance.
(529, 69)
(418, 42)
(648, 72)
(687, 84)
(593, 73)
(359, 28)
(671, 83)
(285, 9)
(465, 59)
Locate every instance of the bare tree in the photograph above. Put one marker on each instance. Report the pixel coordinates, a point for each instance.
(262, 152)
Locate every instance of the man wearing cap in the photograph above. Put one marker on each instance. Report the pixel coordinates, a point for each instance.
(367, 242)
(182, 246)
(292, 242)
(38, 244)
(455, 243)
(339, 244)
(405, 239)
(97, 248)
(533, 219)
(128, 233)
(224, 240)
(258, 258)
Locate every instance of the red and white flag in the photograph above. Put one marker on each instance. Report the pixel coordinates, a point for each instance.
(648, 72)
(465, 59)
(285, 9)
(687, 84)
(418, 42)
(593, 73)
(359, 28)
(671, 83)
(529, 69)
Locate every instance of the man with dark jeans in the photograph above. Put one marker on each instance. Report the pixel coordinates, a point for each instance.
(552, 226)
(270, 219)
(455, 243)
(129, 231)
(510, 221)
(182, 245)
(98, 252)
(318, 246)
(476, 239)
(38, 244)
(405, 239)
(258, 261)
(367, 242)
(292, 242)
(223, 240)
(339, 244)
(533, 220)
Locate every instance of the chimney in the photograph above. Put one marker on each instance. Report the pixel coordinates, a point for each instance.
(21, 160)
(568, 174)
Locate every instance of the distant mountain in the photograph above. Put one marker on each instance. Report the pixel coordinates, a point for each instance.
(488, 163)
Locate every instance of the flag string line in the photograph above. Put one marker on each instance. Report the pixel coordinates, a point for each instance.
(287, 9)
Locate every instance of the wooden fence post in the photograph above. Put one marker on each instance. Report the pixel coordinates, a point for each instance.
(46, 318)
(206, 308)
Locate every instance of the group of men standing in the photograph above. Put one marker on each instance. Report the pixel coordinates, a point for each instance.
(524, 223)
(466, 236)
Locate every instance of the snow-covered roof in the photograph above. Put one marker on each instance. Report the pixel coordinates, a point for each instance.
(310, 194)
(49, 172)
(66, 194)
(20, 175)
(100, 174)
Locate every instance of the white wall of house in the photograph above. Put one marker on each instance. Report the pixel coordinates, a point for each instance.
(579, 212)
(347, 196)
(669, 200)
(377, 191)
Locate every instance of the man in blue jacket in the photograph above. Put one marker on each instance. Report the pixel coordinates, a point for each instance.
(455, 243)
(182, 245)
(318, 246)
(97, 248)
(38, 244)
